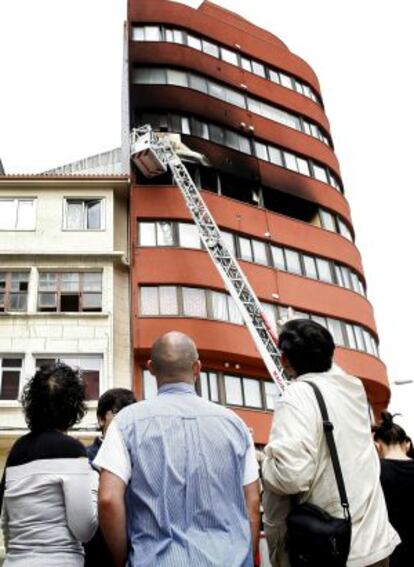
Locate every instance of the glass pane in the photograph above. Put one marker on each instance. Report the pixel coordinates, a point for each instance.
(261, 151)
(320, 173)
(165, 235)
(92, 301)
(93, 215)
(214, 397)
(177, 78)
(178, 36)
(290, 161)
(2, 296)
(210, 48)
(229, 56)
(8, 209)
(234, 313)
(310, 267)
(152, 33)
(232, 139)
(278, 258)
(138, 33)
(344, 230)
(270, 394)
(350, 336)
(335, 327)
(74, 215)
(233, 97)
(9, 385)
(270, 313)
(245, 249)
(219, 306)
(233, 390)
(18, 301)
(252, 395)
(147, 234)
(259, 251)
(185, 125)
(47, 300)
(216, 134)
(274, 76)
(303, 166)
(216, 90)
(194, 302)
(168, 300)
(149, 385)
(354, 281)
(368, 342)
(258, 69)
(26, 215)
(198, 83)
(324, 270)
(90, 379)
(92, 281)
(328, 221)
(189, 237)
(339, 276)
(359, 338)
(193, 42)
(11, 363)
(293, 261)
(19, 281)
(203, 382)
(320, 320)
(149, 301)
(70, 281)
(244, 145)
(346, 277)
(228, 240)
(286, 81)
(275, 156)
(246, 64)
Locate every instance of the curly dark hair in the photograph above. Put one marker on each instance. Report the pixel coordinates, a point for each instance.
(54, 398)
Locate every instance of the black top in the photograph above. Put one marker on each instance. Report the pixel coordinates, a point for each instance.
(397, 479)
(44, 445)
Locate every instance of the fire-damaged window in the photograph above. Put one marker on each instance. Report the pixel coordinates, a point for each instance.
(13, 291)
(70, 292)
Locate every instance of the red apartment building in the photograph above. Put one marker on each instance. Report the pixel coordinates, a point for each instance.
(236, 94)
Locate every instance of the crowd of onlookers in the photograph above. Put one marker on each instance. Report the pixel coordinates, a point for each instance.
(175, 480)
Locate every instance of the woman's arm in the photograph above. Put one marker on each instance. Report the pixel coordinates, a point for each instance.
(80, 489)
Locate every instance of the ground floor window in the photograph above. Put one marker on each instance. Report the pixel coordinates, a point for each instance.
(10, 376)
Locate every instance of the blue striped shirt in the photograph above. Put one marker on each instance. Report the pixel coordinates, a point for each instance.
(185, 499)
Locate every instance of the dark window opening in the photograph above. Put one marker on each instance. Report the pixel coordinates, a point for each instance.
(69, 302)
(288, 205)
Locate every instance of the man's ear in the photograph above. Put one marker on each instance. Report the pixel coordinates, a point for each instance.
(196, 370)
(150, 367)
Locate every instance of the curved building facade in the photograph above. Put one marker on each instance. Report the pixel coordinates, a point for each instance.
(237, 95)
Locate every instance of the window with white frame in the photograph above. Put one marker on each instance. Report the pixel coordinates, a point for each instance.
(14, 288)
(149, 384)
(207, 386)
(10, 376)
(17, 214)
(84, 214)
(241, 391)
(70, 292)
(88, 366)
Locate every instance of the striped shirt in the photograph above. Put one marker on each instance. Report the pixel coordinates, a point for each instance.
(185, 461)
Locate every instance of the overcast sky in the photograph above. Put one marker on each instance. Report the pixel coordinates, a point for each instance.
(60, 100)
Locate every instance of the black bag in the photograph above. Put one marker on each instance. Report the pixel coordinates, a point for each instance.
(314, 537)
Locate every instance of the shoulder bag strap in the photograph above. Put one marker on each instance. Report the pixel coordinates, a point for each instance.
(328, 429)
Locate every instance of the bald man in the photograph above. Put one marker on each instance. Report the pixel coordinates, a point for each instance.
(179, 481)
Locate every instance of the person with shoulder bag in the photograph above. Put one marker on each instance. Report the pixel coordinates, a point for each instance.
(321, 460)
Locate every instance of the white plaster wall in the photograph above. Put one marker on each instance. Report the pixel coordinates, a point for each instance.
(49, 234)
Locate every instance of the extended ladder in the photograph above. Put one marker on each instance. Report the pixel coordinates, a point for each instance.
(153, 155)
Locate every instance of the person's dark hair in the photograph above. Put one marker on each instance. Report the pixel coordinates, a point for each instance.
(308, 346)
(410, 450)
(389, 432)
(54, 398)
(114, 400)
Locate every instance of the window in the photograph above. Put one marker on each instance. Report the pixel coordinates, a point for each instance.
(344, 230)
(285, 80)
(149, 385)
(17, 214)
(293, 261)
(89, 367)
(270, 395)
(310, 267)
(290, 160)
(274, 76)
(229, 240)
(324, 270)
(165, 236)
(207, 386)
(261, 151)
(246, 64)
(188, 234)
(327, 220)
(245, 249)
(234, 312)
(350, 335)
(10, 374)
(13, 291)
(83, 214)
(70, 291)
(152, 33)
(198, 83)
(259, 252)
(161, 300)
(258, 69)
(278, 258)
(174, 77)
(194, 302)
(216, 134)
(147, 234)
(210, 48)
(193, 42)
(229, 56)
(320, 173)
(243, 391)
(275, 156)
(335, 327)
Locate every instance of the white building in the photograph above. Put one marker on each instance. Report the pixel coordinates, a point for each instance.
(64, 287)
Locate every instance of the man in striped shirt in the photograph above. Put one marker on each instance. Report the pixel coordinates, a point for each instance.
(179, 482)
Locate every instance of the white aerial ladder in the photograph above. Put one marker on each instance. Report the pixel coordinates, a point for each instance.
(153, 154)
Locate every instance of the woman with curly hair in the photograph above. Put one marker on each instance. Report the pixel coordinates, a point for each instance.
(49, 504)
(397, 479)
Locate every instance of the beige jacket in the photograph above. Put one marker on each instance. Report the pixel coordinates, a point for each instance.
(298, 461)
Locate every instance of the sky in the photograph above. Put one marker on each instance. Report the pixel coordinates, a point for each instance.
(60, 100)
